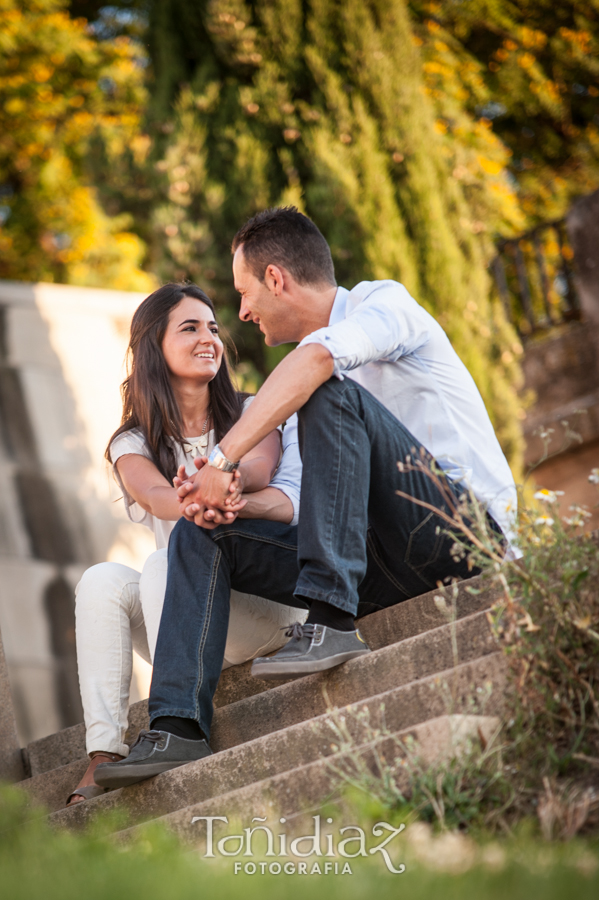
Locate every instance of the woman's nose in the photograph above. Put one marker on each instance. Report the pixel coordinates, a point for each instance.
(207, 336)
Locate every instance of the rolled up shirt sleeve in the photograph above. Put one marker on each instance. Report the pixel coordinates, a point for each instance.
(288, 477)
(384, 324)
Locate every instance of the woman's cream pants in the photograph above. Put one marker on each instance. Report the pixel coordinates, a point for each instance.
(118, 610)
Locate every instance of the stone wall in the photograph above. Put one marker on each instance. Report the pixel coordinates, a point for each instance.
(583, 231)
(562, 370)
(61, 363)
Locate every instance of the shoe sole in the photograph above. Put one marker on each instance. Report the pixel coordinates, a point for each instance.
(131, 774)
(273, 669)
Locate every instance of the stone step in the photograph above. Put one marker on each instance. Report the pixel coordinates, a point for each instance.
(391, 666)
(293, 797)
(415, 616)
(452, 691)
(295, 701)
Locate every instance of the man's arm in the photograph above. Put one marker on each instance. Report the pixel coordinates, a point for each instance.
(285, 391)
(271, 504)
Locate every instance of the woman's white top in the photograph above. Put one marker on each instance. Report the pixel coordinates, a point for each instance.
(287, 478)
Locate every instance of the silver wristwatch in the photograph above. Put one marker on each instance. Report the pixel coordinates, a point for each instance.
(218, 460)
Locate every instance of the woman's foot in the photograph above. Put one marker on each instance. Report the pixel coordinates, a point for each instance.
(87, 783)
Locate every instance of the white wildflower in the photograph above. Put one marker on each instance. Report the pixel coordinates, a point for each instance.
(581, 511)
(580, 514)
(544, 520)
(548, 496)
(545, 433)
(594, 476)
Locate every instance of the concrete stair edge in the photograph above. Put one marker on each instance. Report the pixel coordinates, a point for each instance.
(387, 626)
(391, 666)
(300, 792)
(400, 707)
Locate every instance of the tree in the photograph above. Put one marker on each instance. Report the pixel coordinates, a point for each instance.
(529, 68)
(322, 104)
(59, 88)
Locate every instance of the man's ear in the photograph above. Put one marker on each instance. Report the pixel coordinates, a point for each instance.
(274, 279)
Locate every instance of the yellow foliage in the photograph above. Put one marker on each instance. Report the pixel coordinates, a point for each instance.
(581, 40)
(51, 76)
(490, 166)
(532, 39)
(526, 60)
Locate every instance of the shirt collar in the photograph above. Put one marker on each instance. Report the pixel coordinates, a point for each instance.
(338, 310)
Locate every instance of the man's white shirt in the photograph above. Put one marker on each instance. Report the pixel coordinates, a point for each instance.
(379, 336)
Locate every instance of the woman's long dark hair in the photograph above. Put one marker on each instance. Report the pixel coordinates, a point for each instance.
(149, 402)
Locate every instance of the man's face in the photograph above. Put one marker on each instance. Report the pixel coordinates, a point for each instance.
(261, 304)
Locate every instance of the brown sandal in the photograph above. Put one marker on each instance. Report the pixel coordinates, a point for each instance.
(89, 791)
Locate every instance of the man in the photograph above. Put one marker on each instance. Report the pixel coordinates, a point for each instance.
(374, 381)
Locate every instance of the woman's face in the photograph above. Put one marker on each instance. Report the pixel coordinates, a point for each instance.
(191, 346)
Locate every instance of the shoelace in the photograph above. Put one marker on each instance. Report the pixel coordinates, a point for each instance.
(153, 736)
(297, 631)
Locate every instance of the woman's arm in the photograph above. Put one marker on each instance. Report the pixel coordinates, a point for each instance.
(151, 490)
(148, 487)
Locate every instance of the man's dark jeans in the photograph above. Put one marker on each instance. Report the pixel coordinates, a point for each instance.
(358, 545)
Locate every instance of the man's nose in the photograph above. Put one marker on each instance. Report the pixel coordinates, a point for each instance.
(245, 313)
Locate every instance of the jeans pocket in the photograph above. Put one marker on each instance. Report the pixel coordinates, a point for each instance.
(423, 549)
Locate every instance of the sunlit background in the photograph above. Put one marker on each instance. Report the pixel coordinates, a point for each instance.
(451, 146)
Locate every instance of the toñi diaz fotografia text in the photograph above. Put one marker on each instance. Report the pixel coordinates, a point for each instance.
(306, 854)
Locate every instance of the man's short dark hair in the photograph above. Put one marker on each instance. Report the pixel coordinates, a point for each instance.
(284, 237)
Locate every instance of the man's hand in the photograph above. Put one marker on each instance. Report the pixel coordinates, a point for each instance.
(203, 513)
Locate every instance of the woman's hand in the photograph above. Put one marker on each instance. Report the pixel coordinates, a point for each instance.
(184, 485)
(208, 517)
(235, 489)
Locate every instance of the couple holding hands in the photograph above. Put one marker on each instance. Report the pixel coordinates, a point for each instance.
(284, 523)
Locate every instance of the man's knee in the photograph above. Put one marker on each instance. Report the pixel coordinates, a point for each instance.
(188, 534)
(325, 398)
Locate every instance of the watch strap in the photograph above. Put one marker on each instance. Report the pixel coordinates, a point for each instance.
(218, 460)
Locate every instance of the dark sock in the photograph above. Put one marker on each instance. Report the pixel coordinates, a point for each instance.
(183, 728)
(331, 616)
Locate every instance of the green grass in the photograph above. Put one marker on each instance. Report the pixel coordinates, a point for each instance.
(36, 862)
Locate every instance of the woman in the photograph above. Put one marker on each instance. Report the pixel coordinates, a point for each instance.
(178, 402)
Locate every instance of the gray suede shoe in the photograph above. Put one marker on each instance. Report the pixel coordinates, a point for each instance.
(312, 648)
(152, 753)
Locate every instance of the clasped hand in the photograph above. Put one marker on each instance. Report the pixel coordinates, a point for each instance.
(209, 497)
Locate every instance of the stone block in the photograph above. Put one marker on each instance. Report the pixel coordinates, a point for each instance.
(11, 758)
(408, 619)
(310, 739)
(401, 712)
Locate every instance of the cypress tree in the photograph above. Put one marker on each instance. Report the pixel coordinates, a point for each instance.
(322, 104)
